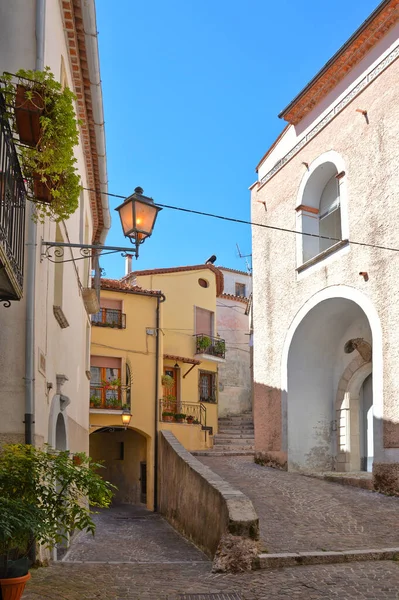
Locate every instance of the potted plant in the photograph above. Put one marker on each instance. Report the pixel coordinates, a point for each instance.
(167, 416)
(169, 403)
(190, 419)
(49, 164)
(95, 401)
(220, 347)
(29, 106)
(203, 343)
(180, 417)
(43, 499)
(168, 381)
(113, 402)
(196, 422)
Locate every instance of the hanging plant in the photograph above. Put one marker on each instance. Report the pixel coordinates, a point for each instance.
(48, 162)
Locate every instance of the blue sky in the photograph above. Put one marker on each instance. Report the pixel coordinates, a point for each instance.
(191, 91)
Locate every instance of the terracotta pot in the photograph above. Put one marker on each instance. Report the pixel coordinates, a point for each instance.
(42, 190)
(77, 460)
(13, 588)
(190, 420)
(27, 115)
(168, 418)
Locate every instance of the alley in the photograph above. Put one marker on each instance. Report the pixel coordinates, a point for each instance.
(136, 555)
(300, 513)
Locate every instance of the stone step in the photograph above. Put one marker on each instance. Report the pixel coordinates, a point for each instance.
(237, 448)
(236, 435)
(235, 420)
(233, 441)
(216, 453)
(238, 430)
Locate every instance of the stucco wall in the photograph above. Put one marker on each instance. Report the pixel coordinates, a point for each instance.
(370, 153)
(235, 373)
(209, 507)
(64, 350)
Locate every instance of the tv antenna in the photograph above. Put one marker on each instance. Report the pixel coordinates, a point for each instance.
(246, 256)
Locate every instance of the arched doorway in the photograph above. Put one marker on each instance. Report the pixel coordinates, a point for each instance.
(325, 398)
(123, 454)
(366, 425)
(60, 433)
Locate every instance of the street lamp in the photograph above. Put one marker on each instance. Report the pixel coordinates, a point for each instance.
(126, 417)
(138, 214)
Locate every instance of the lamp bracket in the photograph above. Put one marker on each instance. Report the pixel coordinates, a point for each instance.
(54, 251)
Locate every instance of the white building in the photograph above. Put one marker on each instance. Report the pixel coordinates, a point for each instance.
(233, 325)
(326, 313)
(45, 337)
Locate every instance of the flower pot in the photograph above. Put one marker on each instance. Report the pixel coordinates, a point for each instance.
(42, 189)
(13, 588)
(179, 420)
(190, 420)
(77, 460)
(167, 418)
(27, 116)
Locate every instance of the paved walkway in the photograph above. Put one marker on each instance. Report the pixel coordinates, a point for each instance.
(300, 513)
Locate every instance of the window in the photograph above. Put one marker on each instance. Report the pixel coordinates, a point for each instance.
(203, 282)
(110, 314)
(319, 210)
(207, 386)
(203, 321)
(240, 290)
(105, 383)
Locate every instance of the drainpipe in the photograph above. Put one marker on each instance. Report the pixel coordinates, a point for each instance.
(31, 263)
(160, 298)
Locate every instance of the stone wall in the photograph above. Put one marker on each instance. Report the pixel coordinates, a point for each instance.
(203, 506)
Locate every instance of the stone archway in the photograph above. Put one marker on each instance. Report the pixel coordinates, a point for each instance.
(348, 410)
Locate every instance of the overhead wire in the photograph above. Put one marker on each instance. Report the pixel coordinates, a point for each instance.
(253, 224)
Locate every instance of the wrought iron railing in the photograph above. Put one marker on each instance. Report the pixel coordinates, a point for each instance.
(12, 214)
(206, 344)
(109, 317)
(172, 411)
(109, 397)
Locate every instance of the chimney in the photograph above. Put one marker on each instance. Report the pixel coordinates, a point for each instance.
(128, 264)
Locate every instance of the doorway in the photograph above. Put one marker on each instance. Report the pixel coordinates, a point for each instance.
(366, 425)
(143, 482)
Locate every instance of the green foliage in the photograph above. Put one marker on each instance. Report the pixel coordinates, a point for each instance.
(220, 347)
(95, 401)
(45, 494)
(113, 402)
(52, 161)
(203, 343)
(180, 416)
(168, 381)
(168, 413)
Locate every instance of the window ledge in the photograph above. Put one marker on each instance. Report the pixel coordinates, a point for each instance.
(320, 257)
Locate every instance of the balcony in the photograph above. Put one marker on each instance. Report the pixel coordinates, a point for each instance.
(210, 348)
(189, 413)
(109, 317)
(109, 397)
(12, 215)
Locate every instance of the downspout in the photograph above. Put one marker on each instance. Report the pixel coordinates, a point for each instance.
(160, 298)
(31, 244)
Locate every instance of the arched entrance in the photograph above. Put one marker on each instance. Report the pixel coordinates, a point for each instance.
(123, 454)
(329, 417)
(60, 433)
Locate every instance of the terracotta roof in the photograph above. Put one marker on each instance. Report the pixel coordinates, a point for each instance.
(117, 285)
(75, 37)
(190, 361)
(233, 297)
(215, 270)
(375, 27)
(234, 271)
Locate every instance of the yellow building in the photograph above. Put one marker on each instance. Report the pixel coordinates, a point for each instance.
(155, 353)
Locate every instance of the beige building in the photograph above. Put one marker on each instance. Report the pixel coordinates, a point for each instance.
(45, 337)
(326, 314)
(233, 324)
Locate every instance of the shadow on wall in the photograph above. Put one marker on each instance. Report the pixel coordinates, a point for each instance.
(315, 443)
(122, 452)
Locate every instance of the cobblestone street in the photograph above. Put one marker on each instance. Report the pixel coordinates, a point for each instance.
(300, 513)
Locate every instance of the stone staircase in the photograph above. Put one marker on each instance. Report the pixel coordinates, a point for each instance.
(235, 437)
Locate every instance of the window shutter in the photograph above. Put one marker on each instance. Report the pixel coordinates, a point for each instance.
(203, 321)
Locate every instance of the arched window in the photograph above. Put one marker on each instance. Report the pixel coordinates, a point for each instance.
(319, 208)
(330, 214)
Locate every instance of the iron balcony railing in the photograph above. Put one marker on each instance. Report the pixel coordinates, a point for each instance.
(214, 346)
(109, 397)
(182, 412)
(109, 317)
(12, 214)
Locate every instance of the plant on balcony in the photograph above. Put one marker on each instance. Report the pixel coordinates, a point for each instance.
(168, 416)
(190, 419)
(43, 498)
(220, 347)
(111, 384)
(203, 343)
(95, 401)
(49, 164)
(196, 422)
(180, 417)
(169, 402)
(168, 381)
(114, 403)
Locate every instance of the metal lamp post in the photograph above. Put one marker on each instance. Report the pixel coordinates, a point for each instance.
(126, 417)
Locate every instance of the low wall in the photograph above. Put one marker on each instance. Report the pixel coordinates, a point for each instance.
(219, 519)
